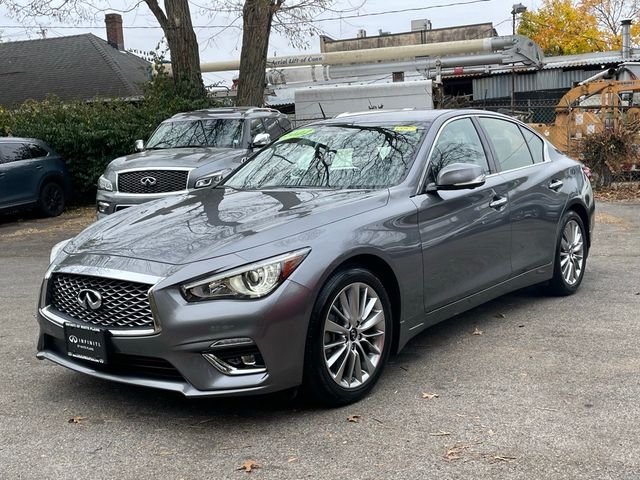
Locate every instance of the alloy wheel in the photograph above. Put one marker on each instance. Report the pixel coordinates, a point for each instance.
(354, 335)
(572, 252)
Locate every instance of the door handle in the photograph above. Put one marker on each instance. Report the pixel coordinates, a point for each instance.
(498, 202)
(556, 185)
(39, 167)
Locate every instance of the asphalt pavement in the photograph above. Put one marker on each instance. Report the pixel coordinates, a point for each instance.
(524, 387)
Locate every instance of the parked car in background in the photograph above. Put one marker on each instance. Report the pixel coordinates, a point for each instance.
(186, 152)
(312, 262)
(32, 175)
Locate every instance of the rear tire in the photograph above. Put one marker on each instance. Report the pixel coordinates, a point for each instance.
(51, 199)
(349, 338)
(570, 256)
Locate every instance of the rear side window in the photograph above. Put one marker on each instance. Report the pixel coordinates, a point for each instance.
(37, 151)
(273, 127)
(536, 145)
(13, 152)
(285, 124)
(256, 127)
(458, 142)
(509, 145)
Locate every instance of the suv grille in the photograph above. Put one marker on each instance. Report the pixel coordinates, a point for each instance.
(125, 305)
(153, 181)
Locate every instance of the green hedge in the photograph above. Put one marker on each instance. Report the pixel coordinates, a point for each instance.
(91, 134)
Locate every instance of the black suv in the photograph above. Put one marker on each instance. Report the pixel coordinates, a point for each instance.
(32, 174)
(188, 151)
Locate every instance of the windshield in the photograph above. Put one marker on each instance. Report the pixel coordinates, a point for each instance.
(333, 156)
(221, 132)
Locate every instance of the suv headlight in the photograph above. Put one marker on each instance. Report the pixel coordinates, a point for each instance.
(57, 248)
(105, 184)
(211, 179)
(250, 281)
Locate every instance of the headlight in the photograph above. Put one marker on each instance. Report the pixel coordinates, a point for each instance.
(251, 281)
(104, 184)
(57, 248)
(211, 179)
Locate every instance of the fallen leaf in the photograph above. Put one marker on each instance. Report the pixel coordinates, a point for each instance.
(77, 419)
(354, 418)
(502, 458)
(491, 432)
(439, 433)
(477, 332)
(455, 452)
(249, 465)
(429, 396)
(292, 459)
(500, 315)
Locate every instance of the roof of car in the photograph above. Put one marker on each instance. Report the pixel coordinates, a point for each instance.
(20, 140)
(402, 115)
(228, 112)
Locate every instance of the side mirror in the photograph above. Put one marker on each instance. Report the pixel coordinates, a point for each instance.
(139, 145)
(260, 140)
(460, 176)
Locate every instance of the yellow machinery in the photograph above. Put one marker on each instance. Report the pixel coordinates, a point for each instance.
(594, 105)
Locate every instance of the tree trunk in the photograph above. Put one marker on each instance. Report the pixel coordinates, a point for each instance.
(256, 23)
(183, 46)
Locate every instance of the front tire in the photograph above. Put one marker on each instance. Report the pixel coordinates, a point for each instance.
(570, 256)
(349, 338)
(51, 200)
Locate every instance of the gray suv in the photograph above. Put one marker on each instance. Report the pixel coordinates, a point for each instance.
(32, 175)
(186, 152)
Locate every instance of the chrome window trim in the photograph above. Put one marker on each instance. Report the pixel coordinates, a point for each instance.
(161, 194)
(60, 319)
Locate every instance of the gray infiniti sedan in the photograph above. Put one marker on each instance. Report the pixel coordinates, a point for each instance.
(319, 257)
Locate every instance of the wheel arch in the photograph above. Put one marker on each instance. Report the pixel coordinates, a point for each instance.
(577, 207)
(387, 276)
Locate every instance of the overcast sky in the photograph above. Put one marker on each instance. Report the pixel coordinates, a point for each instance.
(218, 44)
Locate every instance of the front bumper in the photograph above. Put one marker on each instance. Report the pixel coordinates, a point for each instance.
(172, 358)
(111, 202)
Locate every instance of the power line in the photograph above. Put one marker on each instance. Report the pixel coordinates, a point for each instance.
(298, 22)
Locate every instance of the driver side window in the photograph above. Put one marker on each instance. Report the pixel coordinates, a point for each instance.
(458, 142)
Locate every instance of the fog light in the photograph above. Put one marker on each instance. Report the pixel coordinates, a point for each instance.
(248, 360)
(235, 356)
(103, 207)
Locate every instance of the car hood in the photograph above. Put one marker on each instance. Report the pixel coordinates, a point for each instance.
(175, 157)
(189, 228)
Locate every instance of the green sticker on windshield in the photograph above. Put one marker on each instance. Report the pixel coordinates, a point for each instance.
(405, 128)
(298, 133)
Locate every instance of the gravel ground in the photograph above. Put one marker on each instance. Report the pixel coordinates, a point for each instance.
(549, 389)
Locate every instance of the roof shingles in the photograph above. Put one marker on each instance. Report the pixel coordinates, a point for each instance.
(74, 67)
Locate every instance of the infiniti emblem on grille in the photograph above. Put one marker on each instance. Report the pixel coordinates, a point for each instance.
(148, 181)
(89, 299)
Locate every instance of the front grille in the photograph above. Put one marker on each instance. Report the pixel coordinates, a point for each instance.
(125, 305)
(153, 181)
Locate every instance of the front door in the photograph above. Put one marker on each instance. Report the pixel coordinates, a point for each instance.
(465, 234)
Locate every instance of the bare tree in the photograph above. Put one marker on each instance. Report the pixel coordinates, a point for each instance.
(609, 13)
(293, 19)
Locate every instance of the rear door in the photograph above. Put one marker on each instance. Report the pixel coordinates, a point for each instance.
(536, 197)
(19, 173)
(465, 234)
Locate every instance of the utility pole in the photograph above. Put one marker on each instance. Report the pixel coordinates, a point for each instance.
(517, 9)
